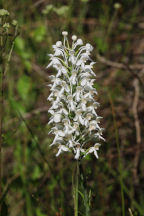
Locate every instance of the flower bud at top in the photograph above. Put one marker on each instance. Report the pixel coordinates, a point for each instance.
(4, 12)
(74, 37)
(64, 33)
(117, 5)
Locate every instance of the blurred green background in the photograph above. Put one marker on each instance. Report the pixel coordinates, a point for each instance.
(35, 182)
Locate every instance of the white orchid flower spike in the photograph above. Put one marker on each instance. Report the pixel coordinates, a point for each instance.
(73, 106)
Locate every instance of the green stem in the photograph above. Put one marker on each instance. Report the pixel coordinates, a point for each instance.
(86, 194)
(4, 68)
(1, 124)
(130, 212)
(119, 156)
(76, 190)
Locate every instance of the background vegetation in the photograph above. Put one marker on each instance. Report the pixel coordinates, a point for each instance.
(35, 182)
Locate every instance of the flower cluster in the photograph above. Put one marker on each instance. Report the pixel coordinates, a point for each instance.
(73, 111)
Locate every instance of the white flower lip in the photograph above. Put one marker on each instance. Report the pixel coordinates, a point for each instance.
(73, 108)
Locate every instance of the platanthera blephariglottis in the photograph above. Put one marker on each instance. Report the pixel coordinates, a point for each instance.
(73, 107)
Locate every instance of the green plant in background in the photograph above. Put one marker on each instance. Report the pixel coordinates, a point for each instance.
(8, 34)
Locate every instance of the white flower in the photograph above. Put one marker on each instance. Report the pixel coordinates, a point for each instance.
(71, 103)
(93, 125)
(89, 47)
(68, 128)
(73, 106)
(79, 42)
(78, 150)
(94, 150)
(61, 149)
(55, 63)
(88, 117)
(56, 118)
(74, 37)
(58, 43)
(73, 78)
(58, 135)
(78, 93)
(78, 116)
(72, 57)
(64, 33)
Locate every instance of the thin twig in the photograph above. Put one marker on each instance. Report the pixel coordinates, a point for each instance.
(29, 114)
(137, 127)
(120, 168)
(131, 214)
(118, 65)
(130, 68)
(7, 187)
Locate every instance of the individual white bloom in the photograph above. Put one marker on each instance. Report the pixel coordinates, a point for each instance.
(71, 103)
(61, 149)
(68, 128)
(78, 150)
(61, 71)
(56, 118)
(78, 116)
(88, 69)
(59, 44)
(94, 150)
(84, 57)
(89, 47)
(74, 37)
(55, 105)
(76, 128)
(73, 106)
(84, 81)
(63, 111)
(71, 143)
(99, 134)
(78, 93)
(72, 57)
(93, 125)
(79, 42)
(83, 104)
(58, 135)
(64, 33)
(65, 87)
(55, 63)
(92, 109)
(57, 141)
(88, 117)
(73, 78)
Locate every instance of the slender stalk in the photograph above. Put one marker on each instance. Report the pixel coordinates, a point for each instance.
(130, 212)
(1, 120)
(76, 200)
(119, 157)
(86, 195)
(1, 139)
(3, 70)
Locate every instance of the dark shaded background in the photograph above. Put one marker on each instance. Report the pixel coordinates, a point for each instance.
(35, 182)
